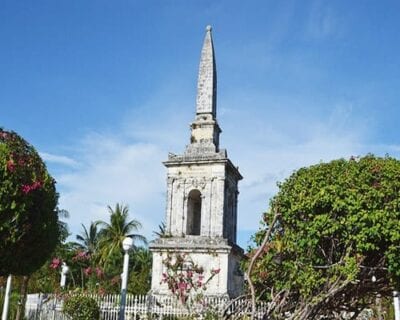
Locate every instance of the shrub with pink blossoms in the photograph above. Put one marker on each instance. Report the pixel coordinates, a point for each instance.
(29, 229)
(184, 278)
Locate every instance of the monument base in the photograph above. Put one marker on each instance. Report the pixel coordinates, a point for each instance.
(219, 260)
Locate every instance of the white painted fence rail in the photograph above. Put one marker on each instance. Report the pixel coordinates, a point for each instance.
(49, 307)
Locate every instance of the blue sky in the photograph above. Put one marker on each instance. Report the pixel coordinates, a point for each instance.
(105, 89)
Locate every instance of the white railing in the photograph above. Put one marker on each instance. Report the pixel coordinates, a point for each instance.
(49, 307)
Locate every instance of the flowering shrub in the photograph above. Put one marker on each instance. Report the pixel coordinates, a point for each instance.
(184, 278)
(81, 256)
(28, 207)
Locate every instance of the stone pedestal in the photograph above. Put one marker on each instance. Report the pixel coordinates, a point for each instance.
(208, 253)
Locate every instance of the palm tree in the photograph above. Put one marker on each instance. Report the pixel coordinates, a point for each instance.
(62, 225)
(88, 239)
(142, 260)
(162, 230)
(113, 233)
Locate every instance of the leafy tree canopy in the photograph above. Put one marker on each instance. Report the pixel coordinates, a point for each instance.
(336, 242)
(113, 234)
(29, 229)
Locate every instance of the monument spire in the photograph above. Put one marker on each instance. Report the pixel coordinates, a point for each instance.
(205, 130)
(202, 198)
(206, 101)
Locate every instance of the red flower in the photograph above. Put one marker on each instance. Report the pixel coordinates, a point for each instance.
(55, 263)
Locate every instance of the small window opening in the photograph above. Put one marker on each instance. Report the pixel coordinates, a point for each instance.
(194, 213)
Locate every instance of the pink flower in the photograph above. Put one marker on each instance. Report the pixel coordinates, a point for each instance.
(55, 263)
(36, 185)
(81, 256)
(99, 272)
(3, 135)
(26, 188)
(10, 165)
(215, 271)
(182, 286)
(87, 271)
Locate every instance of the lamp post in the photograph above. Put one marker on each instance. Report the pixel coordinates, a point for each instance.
(378, 300)
(6, 299)
(396, 305)
(127, 245)
(64, 271)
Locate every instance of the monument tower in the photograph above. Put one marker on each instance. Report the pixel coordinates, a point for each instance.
(202, 194)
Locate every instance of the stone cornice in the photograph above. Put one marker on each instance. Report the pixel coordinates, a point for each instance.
(195, 243)
(206, 159)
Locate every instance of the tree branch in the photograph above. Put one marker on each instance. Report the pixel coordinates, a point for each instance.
(253, 260)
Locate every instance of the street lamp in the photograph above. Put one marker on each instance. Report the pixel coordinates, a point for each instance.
(396, 305)
(4, 315)
(64, 271)
(127, 245)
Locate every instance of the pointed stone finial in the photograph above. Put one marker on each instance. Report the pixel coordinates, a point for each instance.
(206, 100)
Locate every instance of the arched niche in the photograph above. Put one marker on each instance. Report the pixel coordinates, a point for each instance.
(194, 213)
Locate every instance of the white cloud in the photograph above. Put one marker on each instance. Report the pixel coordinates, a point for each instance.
(114, 171)
(58, 159)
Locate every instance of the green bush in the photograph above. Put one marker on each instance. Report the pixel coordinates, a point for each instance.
(80, 307)
(29, 229)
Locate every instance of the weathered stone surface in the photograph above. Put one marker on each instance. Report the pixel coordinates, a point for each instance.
(206, 101)
(209, 252)
(202, 182)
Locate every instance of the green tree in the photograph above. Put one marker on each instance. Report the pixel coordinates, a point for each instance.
(140, 271)
(29, 229)
(336, 240)
(113, 233)
(88, 240)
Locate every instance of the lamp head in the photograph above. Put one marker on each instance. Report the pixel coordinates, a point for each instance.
(127, 244)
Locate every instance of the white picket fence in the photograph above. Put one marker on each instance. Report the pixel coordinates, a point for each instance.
(49, 307)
